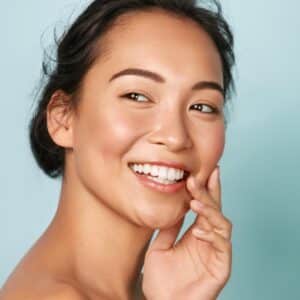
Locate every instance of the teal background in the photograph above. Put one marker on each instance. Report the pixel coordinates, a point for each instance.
(259, 169)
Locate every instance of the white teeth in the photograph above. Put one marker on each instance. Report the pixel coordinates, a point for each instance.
(172, 174)
(163, 181)
(179, 174)
(147, 169)
(140, 168)
(163, 172)
(160, 172)
(154, 171)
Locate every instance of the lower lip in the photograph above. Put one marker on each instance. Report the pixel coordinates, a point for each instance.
(165, 188)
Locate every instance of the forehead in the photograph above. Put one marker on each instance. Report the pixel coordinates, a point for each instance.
(172, 45)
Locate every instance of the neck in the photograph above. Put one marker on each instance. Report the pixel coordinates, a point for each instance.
(103, 251)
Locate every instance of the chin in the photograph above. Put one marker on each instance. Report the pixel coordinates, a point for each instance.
(161, 217)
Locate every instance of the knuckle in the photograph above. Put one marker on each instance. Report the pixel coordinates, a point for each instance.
(228, 223)
(228, 245)
(219, 206)
(213, 206)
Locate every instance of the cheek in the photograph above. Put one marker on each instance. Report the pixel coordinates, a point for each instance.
(211, 143)
(103, 136)
(216, 142)
(115, 133)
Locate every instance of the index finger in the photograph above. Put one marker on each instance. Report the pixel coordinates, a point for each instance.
(199, 191)
(214, 186)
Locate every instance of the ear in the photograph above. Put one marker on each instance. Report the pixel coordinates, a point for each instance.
(60, 119)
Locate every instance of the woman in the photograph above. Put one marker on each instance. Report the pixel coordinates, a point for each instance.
(132, 119)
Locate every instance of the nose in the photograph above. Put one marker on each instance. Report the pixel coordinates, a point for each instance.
(170, 130)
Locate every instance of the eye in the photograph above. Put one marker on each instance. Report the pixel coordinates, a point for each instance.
(135, 97)
(206, 108)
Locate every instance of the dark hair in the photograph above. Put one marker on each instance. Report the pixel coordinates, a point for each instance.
(76, 53)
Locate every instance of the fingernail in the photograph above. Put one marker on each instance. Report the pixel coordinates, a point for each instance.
(217, 173)
(197, 204)
(195, 182)
(192, 183)
(198, 231)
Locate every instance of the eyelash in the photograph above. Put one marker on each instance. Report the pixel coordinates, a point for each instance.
(213, 109)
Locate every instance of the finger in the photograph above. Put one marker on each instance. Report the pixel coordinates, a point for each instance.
(215, 218)
(214, 186)
(200, 192)
(200, 220)
(221, 245)
(166, 238)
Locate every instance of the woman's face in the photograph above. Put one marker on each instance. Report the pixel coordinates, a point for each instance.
(112, 131)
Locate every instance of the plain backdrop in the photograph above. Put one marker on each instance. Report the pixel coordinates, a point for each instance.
(259, 169)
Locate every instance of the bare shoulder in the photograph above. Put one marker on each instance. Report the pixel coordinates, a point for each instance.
(26, 282)
(64, 292)
(52, 292)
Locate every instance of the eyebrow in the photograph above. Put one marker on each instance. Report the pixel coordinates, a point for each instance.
(201, 85)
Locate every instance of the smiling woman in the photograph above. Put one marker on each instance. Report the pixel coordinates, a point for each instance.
(132, 119)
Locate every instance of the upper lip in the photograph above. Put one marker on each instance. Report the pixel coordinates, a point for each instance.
(169, 164)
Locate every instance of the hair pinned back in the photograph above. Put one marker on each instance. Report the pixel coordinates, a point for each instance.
(80, 45)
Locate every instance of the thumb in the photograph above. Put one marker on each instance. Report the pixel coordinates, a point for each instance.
(166, 238)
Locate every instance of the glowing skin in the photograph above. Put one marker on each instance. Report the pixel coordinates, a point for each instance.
(105, 216)
(118, 130)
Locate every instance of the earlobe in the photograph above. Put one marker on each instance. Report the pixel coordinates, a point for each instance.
(59, 119)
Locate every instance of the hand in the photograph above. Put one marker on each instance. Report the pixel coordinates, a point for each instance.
(198, 266)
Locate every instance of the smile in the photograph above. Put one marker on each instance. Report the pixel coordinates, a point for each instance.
(161, 184)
